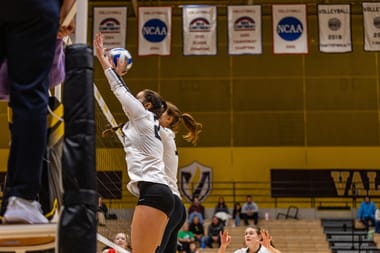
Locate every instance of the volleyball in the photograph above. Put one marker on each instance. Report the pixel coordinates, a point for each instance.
(122, 54)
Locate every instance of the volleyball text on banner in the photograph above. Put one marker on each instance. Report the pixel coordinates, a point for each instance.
(289, 29)
(154, 30)
(334, 23)
(199, 30)
(371, 20)
(112, 23)
(244, 29)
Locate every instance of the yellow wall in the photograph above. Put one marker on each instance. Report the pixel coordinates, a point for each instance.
(254, 164)
(251, 164)
(259, 111)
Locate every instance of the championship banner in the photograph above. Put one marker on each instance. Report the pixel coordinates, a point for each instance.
(244, 29)
(334, 28)
(112, 23)
(154, 30)
(199, 30)
(371, 20)
(289, 29)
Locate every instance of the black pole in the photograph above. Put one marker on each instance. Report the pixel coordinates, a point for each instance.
(77, 226)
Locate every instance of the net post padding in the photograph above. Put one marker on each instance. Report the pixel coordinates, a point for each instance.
(78, 217)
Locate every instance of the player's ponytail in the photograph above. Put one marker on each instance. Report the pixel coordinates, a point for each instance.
(194, 128)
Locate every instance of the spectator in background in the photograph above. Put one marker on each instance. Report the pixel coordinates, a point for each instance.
(236, 214)
(185, 237)
(221, 211)
(250, 210)
(197, 209)
(366, 212)
(197, 228)
(213, 233)
(102, 212)
(121, 239)
(193, 248)
(377, 221)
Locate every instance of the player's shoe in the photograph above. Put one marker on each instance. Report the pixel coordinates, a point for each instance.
(20, 210)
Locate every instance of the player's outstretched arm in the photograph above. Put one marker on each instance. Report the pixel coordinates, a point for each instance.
(100, 52)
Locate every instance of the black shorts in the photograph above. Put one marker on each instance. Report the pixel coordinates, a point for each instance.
(156, 195)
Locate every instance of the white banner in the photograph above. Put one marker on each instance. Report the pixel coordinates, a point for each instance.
(371, 20)
(199, 30)
(334, 28)
(154, 30)
(244, 29)
(112, 22)
(289, 29)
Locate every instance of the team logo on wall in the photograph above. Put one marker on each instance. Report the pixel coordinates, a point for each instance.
(195, 180)
(109, 25)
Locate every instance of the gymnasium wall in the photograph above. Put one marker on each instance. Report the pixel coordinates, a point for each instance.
(267, 100)
(258, 111)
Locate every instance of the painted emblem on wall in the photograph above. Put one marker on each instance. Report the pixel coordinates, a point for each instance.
(195, 179)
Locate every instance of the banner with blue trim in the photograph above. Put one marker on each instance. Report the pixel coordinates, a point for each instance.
(289, 29)
(154, 30)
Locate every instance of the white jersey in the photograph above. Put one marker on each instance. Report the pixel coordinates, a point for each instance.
(262, 249)
(142, 142)
(170, 158)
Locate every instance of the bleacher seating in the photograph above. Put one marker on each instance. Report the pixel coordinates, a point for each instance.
(344, 237)
(290, 236)
(297, 236)
(336, 235)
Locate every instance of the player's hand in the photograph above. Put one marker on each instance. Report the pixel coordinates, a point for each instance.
(225, 239)
(265, 238)
(121, 67)
(65, 30)
(100, 52)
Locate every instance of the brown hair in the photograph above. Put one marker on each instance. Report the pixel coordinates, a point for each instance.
(258, 231)
(158, 104)
(158, 107)
(194, 128)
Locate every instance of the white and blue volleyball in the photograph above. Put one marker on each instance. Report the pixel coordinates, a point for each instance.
(122, 54)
